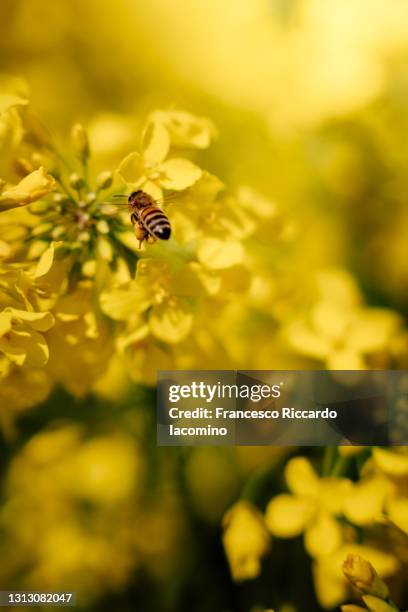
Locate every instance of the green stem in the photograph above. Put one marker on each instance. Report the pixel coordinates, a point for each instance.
(329, 458)
(340, 466)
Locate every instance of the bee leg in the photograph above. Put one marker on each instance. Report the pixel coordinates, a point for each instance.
(140, 233)
(151, 239)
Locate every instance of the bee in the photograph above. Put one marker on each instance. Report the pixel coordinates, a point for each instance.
(149, 221)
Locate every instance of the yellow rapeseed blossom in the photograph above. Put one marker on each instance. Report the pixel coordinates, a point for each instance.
(339, 330)
(312, 507)
(185, 129)
(246, 540)
(151, 171)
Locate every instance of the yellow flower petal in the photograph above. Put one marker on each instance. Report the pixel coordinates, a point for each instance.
(347, 359)
(127, 339)
(158, 144)
(46, 260)
(5, 322)
(179, 174)
(32, 187)
(217, 254)
(29, 348)
(14, 92)
(123, 302)
(152, 189)
(9, 100)
(301, 477)
(330, 588)
(397, 508)
(287, 516)
(171, 321)
(307, 342)
(330, 319)
(186, 130)
(40, 321)
(323, 536)
(391, 462)
(131, 169)
(332, 493)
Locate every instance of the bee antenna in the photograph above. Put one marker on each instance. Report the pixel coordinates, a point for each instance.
(119, 195)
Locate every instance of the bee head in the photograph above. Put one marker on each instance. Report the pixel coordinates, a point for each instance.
(134, 195)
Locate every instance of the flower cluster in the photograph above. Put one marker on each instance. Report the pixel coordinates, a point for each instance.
(337, 517)
(77, 291)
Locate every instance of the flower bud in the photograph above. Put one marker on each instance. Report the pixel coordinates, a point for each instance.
(43, 228)
(39, 208)
(246, 540)
(84, 236)
(352, 608)
(80, 142)
(363, 576)
(76, 181)
(104, 180)
(90, 197)
(58, 232)
(89, 268)
(103, 227)
(105, 249)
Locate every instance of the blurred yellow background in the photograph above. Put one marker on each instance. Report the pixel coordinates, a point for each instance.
(299, 108)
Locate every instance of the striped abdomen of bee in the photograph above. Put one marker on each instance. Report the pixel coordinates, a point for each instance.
(155, 221)
(149, 220)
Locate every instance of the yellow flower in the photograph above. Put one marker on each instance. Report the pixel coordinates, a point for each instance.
(185, 129)
(22, 319)
(246, 540)
(338, 330)
(218, 224)
(159, 301)
(21, 340)
(310, 508)
(31, 188)
(152, 172)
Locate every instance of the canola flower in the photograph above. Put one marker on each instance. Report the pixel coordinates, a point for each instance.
(99, 295)
(342, 519)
